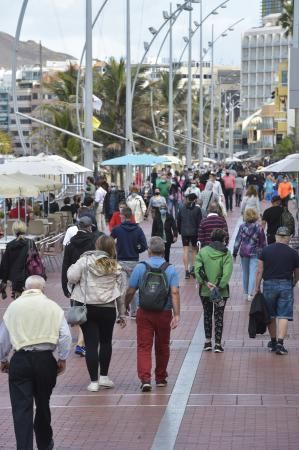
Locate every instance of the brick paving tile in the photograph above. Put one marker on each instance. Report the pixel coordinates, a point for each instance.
(243, 399)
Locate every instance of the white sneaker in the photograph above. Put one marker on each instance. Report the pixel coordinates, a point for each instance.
(249, 298)
(93, 386)
(105, 382)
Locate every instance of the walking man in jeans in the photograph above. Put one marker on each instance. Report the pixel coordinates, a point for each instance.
(279, 268)
(154, 326)
(130, 242)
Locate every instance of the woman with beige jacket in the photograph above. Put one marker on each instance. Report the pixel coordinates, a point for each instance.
(100, 280)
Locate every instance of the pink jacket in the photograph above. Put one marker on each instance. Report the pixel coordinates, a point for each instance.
(229, 182)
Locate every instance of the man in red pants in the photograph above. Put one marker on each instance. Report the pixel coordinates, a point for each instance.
(154, 324)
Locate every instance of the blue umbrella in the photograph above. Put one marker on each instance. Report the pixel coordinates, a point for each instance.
(142, 159)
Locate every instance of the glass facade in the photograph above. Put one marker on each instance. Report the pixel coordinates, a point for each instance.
(271, 7)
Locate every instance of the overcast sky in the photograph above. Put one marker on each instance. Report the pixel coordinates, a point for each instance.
(59, 25)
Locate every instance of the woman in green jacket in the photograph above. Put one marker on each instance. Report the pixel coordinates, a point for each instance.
(213, 267)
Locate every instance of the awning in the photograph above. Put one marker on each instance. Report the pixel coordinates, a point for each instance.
(142, 159)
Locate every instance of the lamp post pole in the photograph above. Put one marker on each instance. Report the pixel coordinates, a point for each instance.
(189, 94)
(231, 129)
(212, 90)
(224, 124)
(170, 88)
(219, 122)
(128, 148)
(296, 45)
(88, 147)
(200, 128)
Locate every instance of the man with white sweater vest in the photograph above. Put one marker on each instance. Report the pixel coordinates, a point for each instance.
(33, 326)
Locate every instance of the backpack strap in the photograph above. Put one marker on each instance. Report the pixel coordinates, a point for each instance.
(147, 266)
(164, 266)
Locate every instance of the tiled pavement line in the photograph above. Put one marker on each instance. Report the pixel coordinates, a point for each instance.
(170, 423)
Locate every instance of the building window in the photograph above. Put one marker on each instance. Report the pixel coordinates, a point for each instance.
(284, 77)
(25, 110)
(23, 97)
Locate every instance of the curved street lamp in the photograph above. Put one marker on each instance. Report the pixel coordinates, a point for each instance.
(211, 45)
(188, 44)
(155, 32)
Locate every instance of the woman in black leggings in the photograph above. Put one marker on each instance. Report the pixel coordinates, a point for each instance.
(99, 279)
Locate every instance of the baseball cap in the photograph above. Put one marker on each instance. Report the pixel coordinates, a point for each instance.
(283, 231)
(84, 222)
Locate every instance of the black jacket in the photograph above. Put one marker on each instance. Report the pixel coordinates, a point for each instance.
(13, 263)
(189, 218)
(111, 203)
(259, 316)
(170, 227)
(82, 242)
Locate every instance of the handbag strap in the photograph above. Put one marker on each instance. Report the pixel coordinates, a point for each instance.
(85, 283)
(207, 207)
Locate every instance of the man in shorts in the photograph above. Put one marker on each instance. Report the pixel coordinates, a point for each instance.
(278, 266)
(189, 218)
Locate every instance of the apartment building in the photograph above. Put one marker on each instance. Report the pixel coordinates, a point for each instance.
(263, 49)
(29, 96)
(271, 7)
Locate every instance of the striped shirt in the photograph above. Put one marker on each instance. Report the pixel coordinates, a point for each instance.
(208, 225)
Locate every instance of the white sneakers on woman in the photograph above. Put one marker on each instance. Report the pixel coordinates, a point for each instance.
(93, 386)
(103, 382)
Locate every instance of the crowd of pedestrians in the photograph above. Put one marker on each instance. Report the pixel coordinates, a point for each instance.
(103, 277)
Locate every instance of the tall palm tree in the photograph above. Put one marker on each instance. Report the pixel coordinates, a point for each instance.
(61, 113)
(63, 84)
(110, 87)
(159, 105)
(287, 17)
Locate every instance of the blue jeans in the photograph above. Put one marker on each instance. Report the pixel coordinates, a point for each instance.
(249, 267)
(172, 206)
(279, 298)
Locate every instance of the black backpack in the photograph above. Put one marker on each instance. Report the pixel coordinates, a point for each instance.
(154, 290)
(287, 220)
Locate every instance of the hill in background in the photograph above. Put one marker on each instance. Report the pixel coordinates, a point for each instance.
(28, 52)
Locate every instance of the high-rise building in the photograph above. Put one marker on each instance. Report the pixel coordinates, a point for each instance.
(271, 7)
(263, 49)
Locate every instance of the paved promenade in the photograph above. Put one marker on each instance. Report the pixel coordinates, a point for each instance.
(243, 399)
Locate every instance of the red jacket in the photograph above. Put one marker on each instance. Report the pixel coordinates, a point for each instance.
(14, 213)
(229, 182)
(116, 220)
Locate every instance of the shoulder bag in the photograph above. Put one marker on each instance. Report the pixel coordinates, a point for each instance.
(34, 264)
(77, 314)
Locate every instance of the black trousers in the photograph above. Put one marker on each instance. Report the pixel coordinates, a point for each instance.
(98, 331)
(32, 377)
(167, 251)
(285, 201)
(228, 194)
